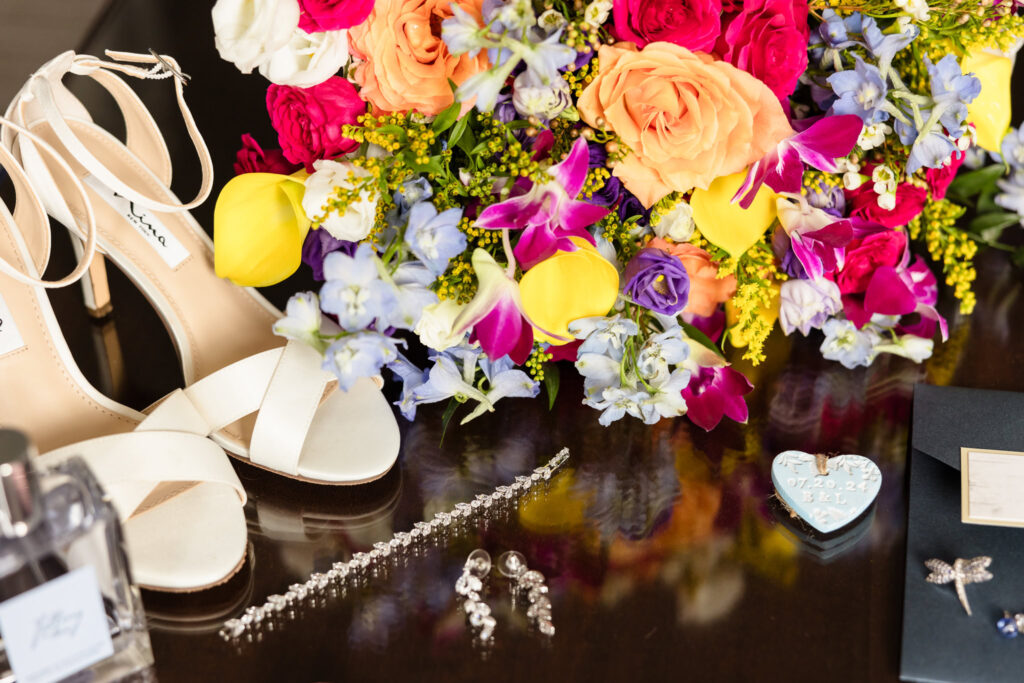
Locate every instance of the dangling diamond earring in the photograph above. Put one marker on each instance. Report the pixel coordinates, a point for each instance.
(529, 582)
(470, 585)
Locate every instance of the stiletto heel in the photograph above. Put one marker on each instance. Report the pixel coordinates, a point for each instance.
(95, 288)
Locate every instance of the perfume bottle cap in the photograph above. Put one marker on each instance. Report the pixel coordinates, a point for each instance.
(19, 489)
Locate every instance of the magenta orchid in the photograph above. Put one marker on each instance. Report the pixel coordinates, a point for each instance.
(816, 237)
(549, 213)
(496, 313)
(715, 390)
(899, 291)
(819, 145)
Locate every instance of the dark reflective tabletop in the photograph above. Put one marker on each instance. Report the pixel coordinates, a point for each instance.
(665, 558)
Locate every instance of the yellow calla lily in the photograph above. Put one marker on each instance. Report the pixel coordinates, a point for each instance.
(768, 314)
(565, 287)
(990, 111)
(259, 227)
(725, 223)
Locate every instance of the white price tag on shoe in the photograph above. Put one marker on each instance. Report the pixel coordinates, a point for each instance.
(56, 629)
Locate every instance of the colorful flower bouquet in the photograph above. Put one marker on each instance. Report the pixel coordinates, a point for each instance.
(629, 185)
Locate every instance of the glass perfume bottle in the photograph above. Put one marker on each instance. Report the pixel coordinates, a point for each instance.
(68, 609)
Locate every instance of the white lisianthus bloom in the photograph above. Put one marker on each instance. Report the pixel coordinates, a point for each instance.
(677, 224)
(247, 32)
(597, 12)
(435, 325)
(552, 20)
(357, 221)
(307, 59)
(873, 135)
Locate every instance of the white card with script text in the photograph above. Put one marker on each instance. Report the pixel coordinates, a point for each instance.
(56, 629)
(992, 487)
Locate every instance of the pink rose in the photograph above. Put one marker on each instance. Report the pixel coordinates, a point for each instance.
(768, 40)
(866, 255)
(940, 178)
(910, 201)
(309, 121)
(331, 15)
(252, 159)
(694, 24)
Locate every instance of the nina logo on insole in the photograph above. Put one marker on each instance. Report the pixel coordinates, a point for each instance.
(145, 223)
(10, 338)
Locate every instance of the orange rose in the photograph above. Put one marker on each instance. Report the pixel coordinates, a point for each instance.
(706, 290)
(687, 118)
(407, 64)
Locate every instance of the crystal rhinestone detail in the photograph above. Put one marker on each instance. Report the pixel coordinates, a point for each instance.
(339, 571)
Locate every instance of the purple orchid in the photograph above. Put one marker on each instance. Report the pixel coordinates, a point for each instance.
(819, 145)
(816, 238)
(549, 213)
(900, 290)
(496, 313)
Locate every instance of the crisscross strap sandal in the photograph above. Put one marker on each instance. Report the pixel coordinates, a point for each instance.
(179, 499)
(279, 410)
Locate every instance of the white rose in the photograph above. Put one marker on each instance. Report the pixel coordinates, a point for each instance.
(357, 221)
(247, 32)
(307, 59)
(677, 224)
(435, 325)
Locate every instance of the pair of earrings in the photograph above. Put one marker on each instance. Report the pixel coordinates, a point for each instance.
(525, 582)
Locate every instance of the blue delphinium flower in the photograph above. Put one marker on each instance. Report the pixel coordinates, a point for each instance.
(835, 30)
(861, 92)
(461, 32)
(949, 83)
(354, 291)
(1012, 148)
(435, 237)
(1012, 195)
(931, 150)
(602, 335)
(411, 377)
(848, 345)
(952, 91)
(884, 46)
(359, 355)
(411, 288)
(504, 380)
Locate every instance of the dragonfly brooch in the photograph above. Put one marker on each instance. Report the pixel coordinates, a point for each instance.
(961, 573)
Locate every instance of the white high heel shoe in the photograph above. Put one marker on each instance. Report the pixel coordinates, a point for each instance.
(276, 409)
(177, 495)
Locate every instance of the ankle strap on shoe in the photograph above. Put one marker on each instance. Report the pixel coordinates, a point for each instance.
(36, 225)
(41, 87)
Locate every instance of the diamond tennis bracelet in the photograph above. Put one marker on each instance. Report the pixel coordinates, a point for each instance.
(363, 563)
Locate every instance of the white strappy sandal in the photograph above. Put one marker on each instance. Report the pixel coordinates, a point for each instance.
(272, 404)
(179, 499)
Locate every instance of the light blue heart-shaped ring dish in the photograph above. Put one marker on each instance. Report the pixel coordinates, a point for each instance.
(827, 493)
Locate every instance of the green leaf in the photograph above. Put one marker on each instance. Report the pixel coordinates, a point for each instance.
(990, 226)
(449, 412)
(458, 130)
(969, 185)
(467, 143)
(699, 337)
(446, 119)
(393, 130)
(1018, 257)
(551, 381)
